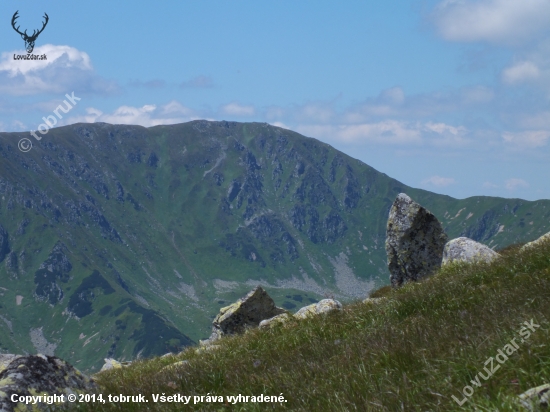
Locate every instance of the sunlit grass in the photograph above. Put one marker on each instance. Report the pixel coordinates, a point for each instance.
(412, 351)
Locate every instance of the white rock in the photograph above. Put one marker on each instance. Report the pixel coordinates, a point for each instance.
(282, 318)
(323, 306)
(463, 249)
(111, 363)
(374, 300)
(543, 238)
(536, 398)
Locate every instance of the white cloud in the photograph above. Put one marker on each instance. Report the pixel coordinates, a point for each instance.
(176, 108)
(515, 183)
(20, 125)
(387, 132)
(520, 72)
(395, 96)
(68, 56)
(443, 128)
(147, 115)
(444, 135)
(496, 21)
(235, 109)
(396, 104)
(439, 181)
(66, 69)
(527, 139)
(280, 124)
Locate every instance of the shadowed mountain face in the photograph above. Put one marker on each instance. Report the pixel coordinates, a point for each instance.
(122, 241)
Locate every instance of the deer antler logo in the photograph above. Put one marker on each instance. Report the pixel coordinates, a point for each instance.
(29, 40)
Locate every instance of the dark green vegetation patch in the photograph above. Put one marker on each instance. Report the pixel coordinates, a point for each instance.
(155, 336)
(82, 298)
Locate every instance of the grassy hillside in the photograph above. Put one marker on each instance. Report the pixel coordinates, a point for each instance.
(411, 351)
(125, 241)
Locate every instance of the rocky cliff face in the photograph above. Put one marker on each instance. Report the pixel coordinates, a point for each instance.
(119, 241)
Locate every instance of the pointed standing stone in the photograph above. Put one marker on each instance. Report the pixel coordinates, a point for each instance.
(414, 241)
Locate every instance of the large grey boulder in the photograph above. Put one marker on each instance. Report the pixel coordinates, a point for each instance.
(463, 249)
(246, 313)
(323, 306)
(38, 375)
(414, 241)
(542, 239)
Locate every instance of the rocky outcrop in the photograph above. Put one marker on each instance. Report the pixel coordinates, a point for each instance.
(414, 241)
(463, 249)
(55, 268)
(536, 398)
(543, 238)
(12, 266)
(323, 306)
(38, 375)
(4, 244)
(246, 313)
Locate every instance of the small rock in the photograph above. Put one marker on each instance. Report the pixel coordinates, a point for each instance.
(246, 313)
(113, 364)
(6, 359)
(323, 306)
(39, 374)
(536, 398)
(414, 241)
(463, 249)
(282, 318)
(543, 238)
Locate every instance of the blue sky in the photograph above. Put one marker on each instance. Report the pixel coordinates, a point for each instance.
(450, 96)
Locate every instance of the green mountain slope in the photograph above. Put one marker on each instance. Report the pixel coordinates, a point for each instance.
(124, 241)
